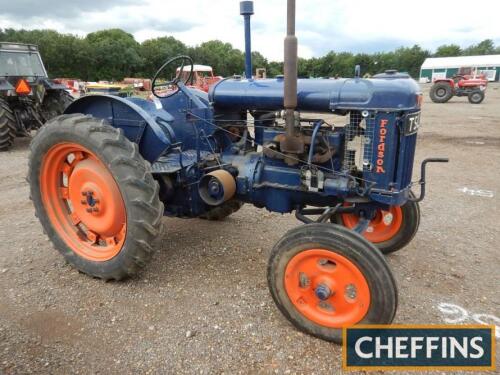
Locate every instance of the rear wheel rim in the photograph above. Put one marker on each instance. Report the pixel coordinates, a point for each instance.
(383, 227)
(83, 202)
(440, 92)
(327, 288)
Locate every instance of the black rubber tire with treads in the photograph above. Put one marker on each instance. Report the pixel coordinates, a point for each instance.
(476, 97)
(222, 211)
(381, 283)
(133, 176)
(8, 126)
(55, 102)
(441, 92)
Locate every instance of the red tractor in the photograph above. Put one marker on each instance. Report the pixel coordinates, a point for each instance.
(202, 77)
(464, 83)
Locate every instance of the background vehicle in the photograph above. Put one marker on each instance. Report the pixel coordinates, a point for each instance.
(27, 97)
(465, 83)
(103, 174)
(202, 76)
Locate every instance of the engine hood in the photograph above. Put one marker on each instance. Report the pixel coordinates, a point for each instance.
(319, 95)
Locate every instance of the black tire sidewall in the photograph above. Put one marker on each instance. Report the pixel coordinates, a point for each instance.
(123, 263)
(471, 95)
(383, 290)
(441, 86)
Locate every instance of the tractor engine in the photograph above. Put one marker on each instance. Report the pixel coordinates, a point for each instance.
(369, 154)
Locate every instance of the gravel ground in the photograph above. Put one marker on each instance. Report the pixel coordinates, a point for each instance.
(202, 305)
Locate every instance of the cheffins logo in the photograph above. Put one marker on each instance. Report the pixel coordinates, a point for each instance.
(419, 347)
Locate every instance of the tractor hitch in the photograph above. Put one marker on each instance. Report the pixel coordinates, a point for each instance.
(422, 180)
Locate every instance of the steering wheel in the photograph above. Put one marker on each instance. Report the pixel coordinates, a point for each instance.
(176, 80)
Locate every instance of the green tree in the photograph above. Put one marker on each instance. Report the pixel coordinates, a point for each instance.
(410, 59)
(222, 57)
(115, 54)
(448, 50)
(155, 52)
(486, 47)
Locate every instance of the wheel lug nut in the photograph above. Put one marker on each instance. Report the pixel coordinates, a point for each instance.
(95, 209)
(89, 210)
(83, 201)
(322, 292)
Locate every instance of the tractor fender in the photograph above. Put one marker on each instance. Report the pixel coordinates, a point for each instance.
(51, 85)
(445, 80)
(139, 119)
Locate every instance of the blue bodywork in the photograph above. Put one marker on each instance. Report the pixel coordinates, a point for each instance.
(236, 127)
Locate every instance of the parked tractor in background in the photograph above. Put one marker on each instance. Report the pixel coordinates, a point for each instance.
(28, 98)
(202, 76)
(103, 174)
(464, 83)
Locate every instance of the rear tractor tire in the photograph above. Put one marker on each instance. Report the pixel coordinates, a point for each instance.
(476, 97)
(55, 103)
(95, 196)
(441, 92)
(8, 126)
(389, 231)
(324, 277)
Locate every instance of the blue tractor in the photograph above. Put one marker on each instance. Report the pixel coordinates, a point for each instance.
(104, 174)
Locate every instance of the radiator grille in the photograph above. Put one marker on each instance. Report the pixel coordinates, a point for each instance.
(359, 135)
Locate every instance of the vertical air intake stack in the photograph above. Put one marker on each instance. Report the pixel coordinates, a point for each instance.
(246, 10)
(292, 143)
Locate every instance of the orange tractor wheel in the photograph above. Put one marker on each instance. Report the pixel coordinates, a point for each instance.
(94, 195)
(324, 277)
(390, 230)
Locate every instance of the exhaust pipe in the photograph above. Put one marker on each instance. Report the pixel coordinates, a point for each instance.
(291, 143)
(246, 10)
(290, 60)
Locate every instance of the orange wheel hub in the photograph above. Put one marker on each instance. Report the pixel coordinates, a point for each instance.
(384, 226)
(327, 288)
(83, 202)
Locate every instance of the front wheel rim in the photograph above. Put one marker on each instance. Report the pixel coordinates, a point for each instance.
(383, 227)
(83, 202)
(327, 288)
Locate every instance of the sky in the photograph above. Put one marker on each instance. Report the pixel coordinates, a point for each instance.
(322, 25)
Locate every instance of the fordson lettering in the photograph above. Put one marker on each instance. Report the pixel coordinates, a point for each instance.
(381, 146)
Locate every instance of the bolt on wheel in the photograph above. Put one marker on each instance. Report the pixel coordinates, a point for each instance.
(83, 201)
(327, 287)
(94, 196)
(389, 230)
(324, 277)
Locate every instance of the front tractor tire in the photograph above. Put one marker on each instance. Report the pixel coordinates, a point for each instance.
(8, 126)
(390, 230)
(95, 196)
(476, 97)
(441, 92)
(324, 277)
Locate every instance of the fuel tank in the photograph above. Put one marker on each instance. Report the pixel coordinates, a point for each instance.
(385, 92)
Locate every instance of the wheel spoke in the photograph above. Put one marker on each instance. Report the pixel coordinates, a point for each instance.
(91, 236)
(75, 219)
(110, 241)
(64, 192)
(66, 169)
